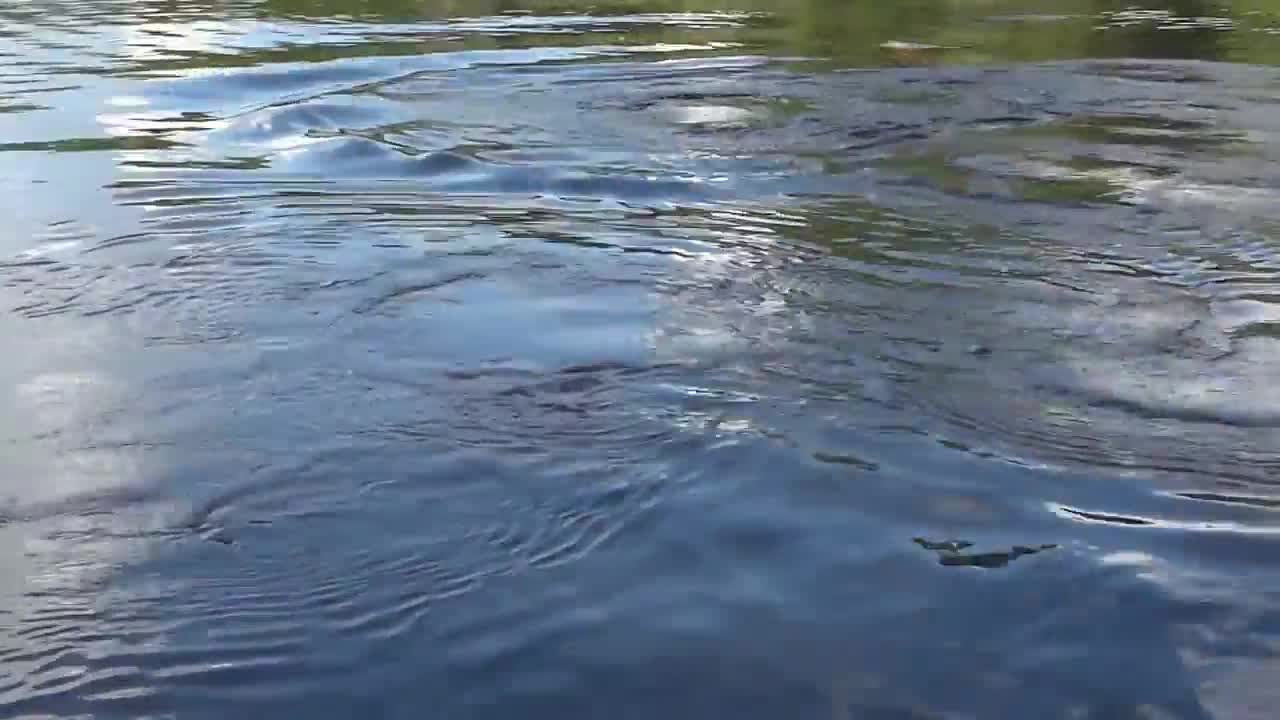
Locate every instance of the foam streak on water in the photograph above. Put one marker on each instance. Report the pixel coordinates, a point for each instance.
(683, 359)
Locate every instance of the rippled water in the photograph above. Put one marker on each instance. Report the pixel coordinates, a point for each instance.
(391, 359)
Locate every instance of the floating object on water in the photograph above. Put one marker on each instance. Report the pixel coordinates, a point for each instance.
(913, 52)
(949, 553)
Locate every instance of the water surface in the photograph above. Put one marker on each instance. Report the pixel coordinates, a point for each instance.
(390, 359)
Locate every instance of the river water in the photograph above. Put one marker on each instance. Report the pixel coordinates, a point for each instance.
(639, 359)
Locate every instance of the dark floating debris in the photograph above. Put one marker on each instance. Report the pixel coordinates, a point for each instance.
(914, 53)
(1106, 517)
(949, 553)
(1253, 500)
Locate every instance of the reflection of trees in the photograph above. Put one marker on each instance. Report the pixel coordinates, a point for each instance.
(1147, 40)
(850, 31)
(853, 30)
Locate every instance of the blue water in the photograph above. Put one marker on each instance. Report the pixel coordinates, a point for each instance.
(647, 359)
